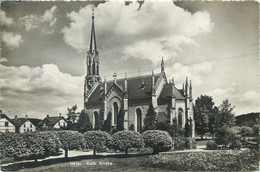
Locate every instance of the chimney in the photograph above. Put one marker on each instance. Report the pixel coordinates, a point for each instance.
(26, 116)
(47, 115)
(15, 116)
(0, 111)
(60, 114)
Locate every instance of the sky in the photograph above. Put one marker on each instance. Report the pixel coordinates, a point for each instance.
(44, 45)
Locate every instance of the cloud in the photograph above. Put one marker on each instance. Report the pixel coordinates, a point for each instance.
(11, 40)
(131, 33)
(39, 90)
(46, 21)
(195, 72)
(244, 102)
(3, 60)
(4, 20)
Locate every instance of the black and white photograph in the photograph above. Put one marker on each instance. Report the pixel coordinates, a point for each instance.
(149, 85)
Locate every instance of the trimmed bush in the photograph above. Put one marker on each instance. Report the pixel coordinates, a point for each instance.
(71, 140)
(29, 145)
(51, 142)
(97, 140)
(212, 145)
(205, 161)
(123, 140)
(158, 140)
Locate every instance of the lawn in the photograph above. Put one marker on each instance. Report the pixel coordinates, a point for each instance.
(86, 163)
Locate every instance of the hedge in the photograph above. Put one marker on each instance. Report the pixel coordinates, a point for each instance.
(205, 161)
(158, 140)
(123, 140)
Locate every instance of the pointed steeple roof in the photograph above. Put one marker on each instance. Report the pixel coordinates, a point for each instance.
(93, 43)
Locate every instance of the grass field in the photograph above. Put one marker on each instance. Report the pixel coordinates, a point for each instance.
(86, 163)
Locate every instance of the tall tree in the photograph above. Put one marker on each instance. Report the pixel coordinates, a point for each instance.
(150, 121)
(107, 123)
(203, 112)
(84, 122)
(226, 117)
(72, 113)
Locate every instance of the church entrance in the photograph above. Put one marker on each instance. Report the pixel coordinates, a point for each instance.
(139, 120)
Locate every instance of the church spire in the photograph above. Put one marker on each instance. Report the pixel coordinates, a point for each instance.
(162, 65)
(93, 43)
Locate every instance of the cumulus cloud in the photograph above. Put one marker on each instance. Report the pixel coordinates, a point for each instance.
(195, 72)
(145, 33)
(4, 20)
(46, 21)
(244, 102)
(11, 40)
(39, 90)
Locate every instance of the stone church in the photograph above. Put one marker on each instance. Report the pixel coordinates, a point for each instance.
(133, 95)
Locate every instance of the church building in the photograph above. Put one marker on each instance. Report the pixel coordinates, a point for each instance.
(131, 96)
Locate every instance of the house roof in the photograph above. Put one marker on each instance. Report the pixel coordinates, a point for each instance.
(20, 121)
(6, 117)
(51, 121)
(133, 88)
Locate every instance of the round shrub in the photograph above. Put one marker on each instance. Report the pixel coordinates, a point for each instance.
(97, 140)
(123, 140)
(10, 143)
(158, 140)
(51, 142)
(71, 140)
(212, 145)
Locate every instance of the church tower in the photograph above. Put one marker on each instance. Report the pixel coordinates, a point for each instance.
(92, 78)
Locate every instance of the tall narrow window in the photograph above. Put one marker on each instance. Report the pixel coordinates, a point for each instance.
(138, 120)
(6, 124)
(180, 114)
(115, 113)
(96, 119)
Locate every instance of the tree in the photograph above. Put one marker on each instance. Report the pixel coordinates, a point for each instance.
(226, 117)
(71, 140)
(158, 140)
(98, 122)
(203, 112)
(120, 122)
(150, 121)
(174, 130)
(123, 140)
(97, 140)
(107, 123)
(84, 124)
(228, 137)
(72, 113)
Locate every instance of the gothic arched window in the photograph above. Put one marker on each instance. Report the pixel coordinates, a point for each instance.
(115, 113)
(180, 114)
(138, 120)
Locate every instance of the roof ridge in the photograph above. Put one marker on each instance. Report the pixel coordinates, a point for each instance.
(134, 77)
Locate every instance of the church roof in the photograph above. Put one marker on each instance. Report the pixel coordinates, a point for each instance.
(167, 92)
(133, 88)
